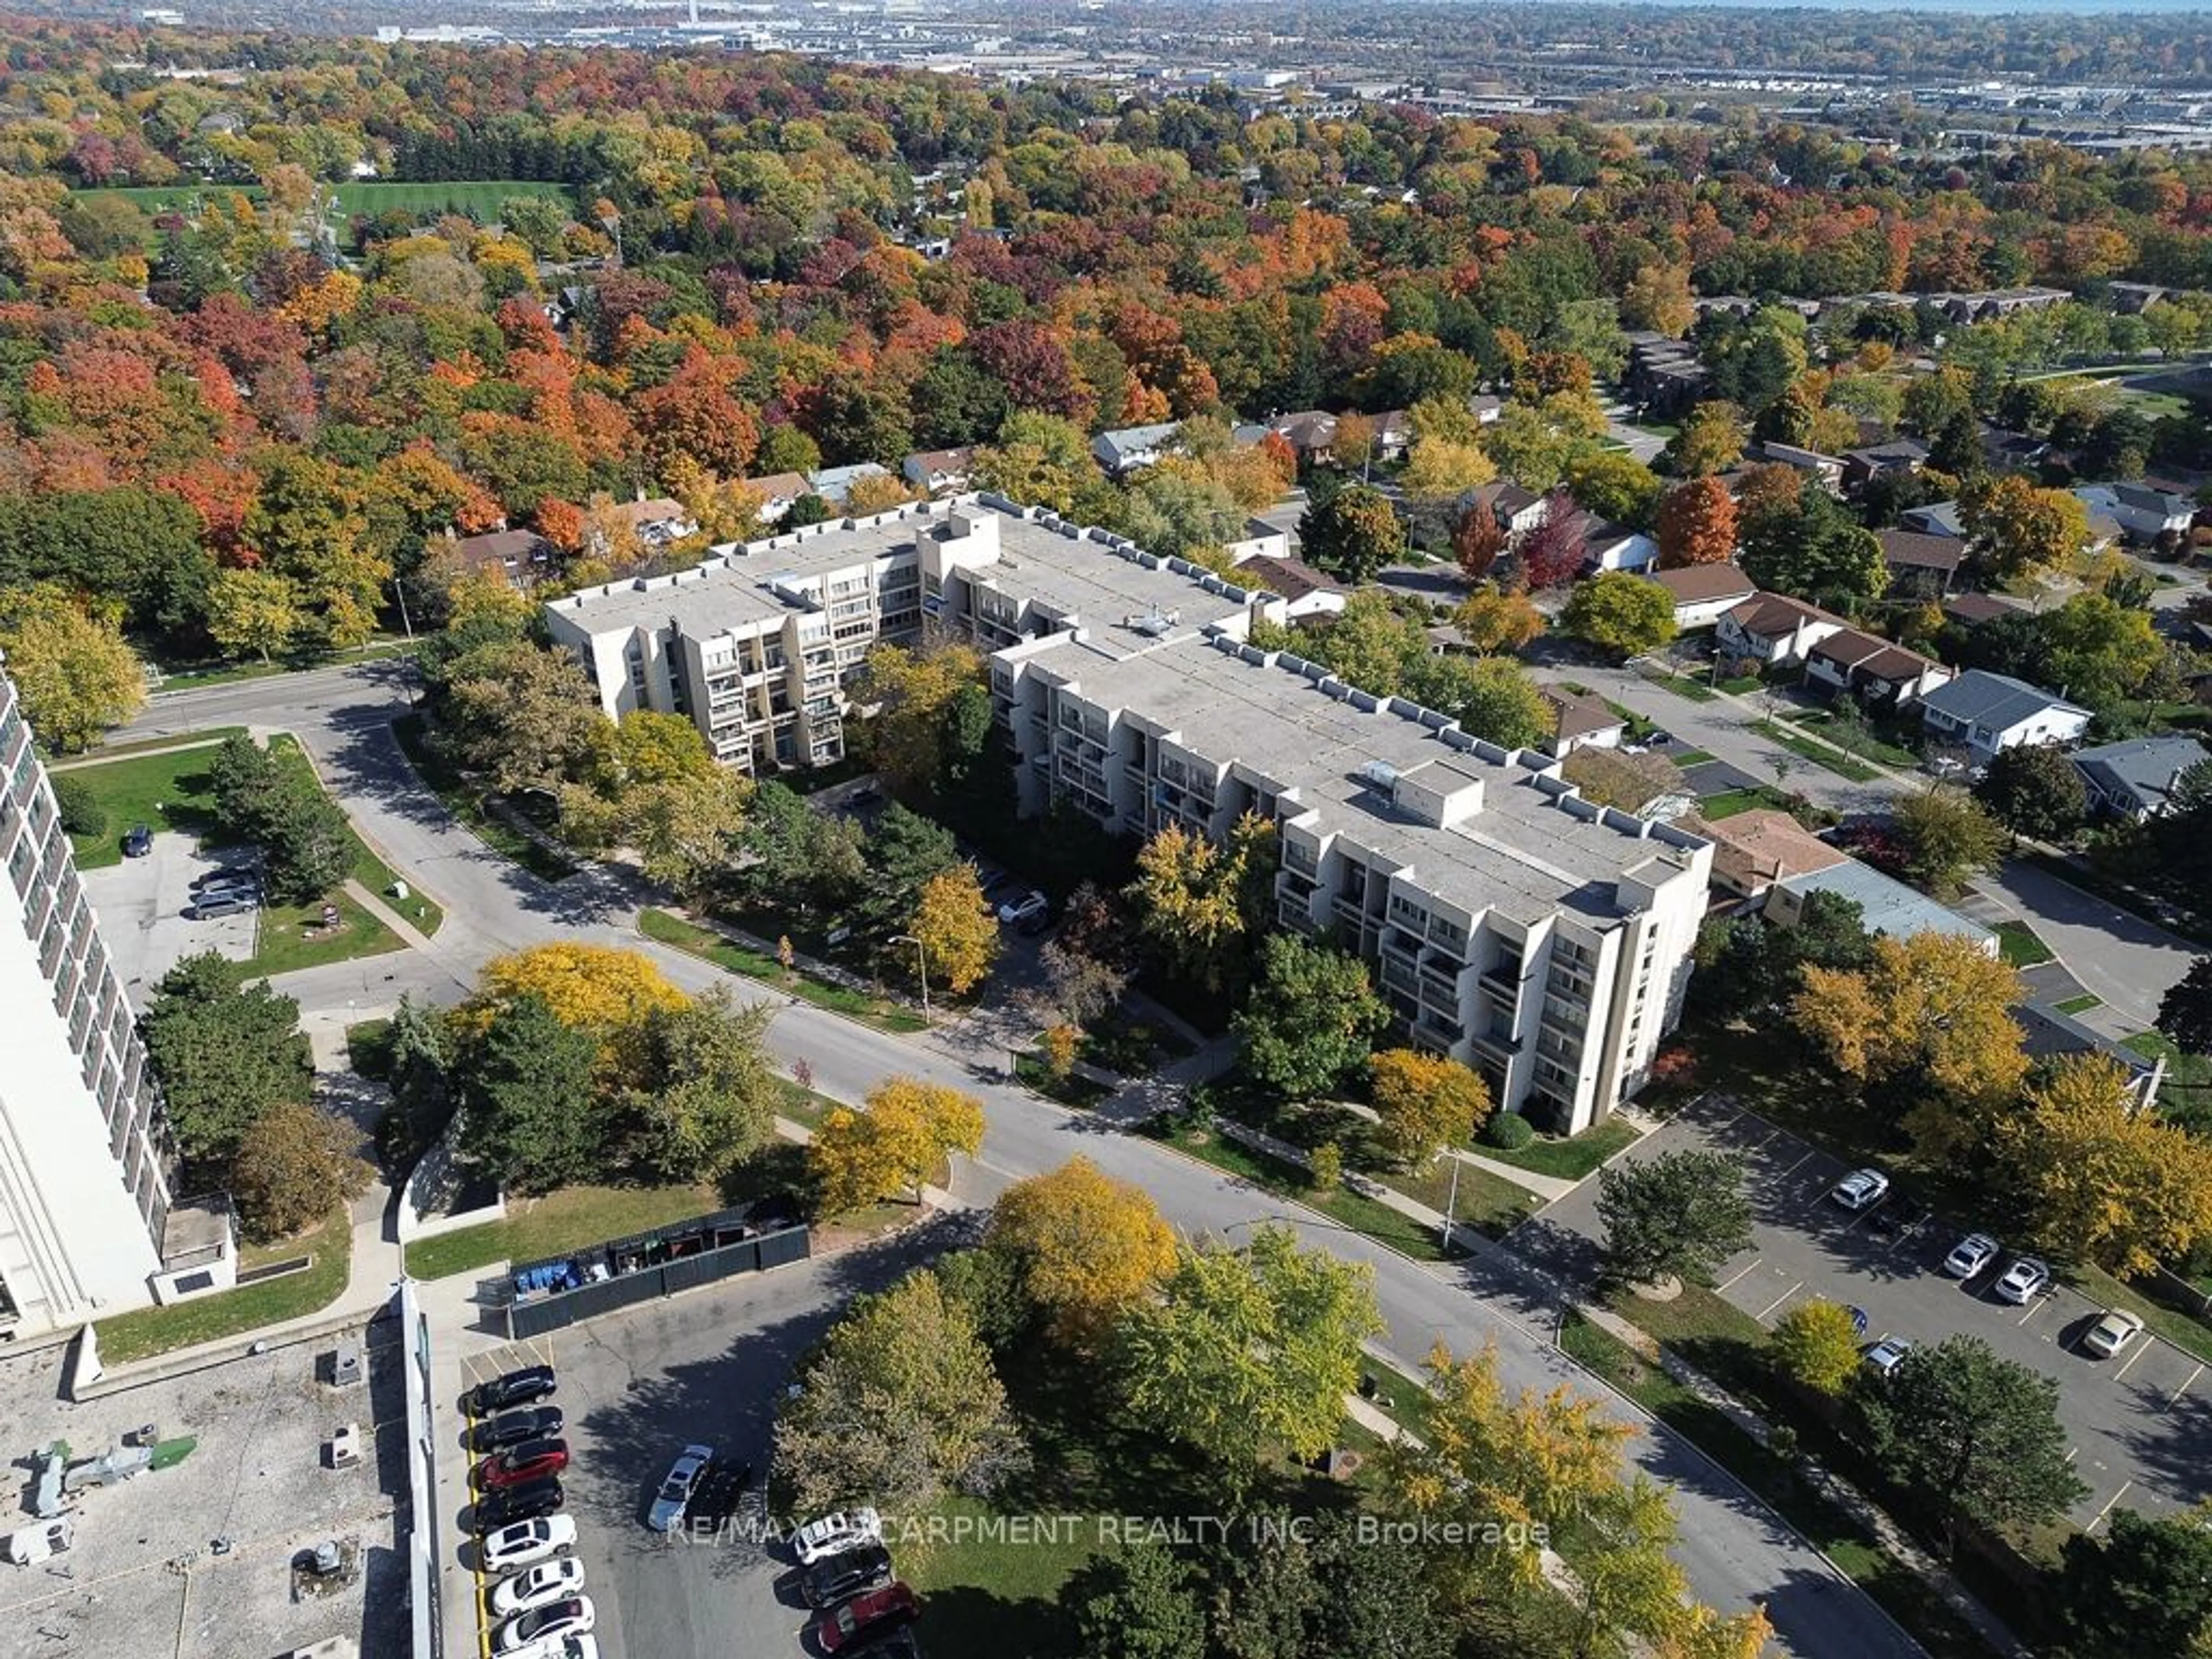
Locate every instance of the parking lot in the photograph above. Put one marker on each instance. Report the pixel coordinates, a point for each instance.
(706, 1367)
(2140, 1423)
(196, 1561)
(141, 903)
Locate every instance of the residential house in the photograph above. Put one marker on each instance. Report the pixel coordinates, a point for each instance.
(1393, 435)
(656, 521)
(831, 482)
(1704, 593)
(1874, 670)
(1828, 468)
(1310, 433)
(2136, 780)
(1935, 518)
(1516, 510)
(1305, 592)
(1124, 449)
(1864, 465)
(1984, 713)
(1485, 407)
(2048, 1034)
(2141, 513)
(1886, 904)
(1972, 610)
(1921, 567)
(1609, 546)
(1261, 540)
(777, 491)
(521, 557)
(1581, 721)
(939, 471)
(1775, 628)
(1754, 850)
(1663, 376)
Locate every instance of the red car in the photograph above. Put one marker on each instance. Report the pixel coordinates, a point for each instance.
(533, 1460)
(877, 1613)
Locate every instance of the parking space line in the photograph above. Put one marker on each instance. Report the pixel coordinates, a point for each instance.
(2142, 1348)
(2176, 1398)
(1782, 1298)
(2107, 1510)
(2034, 1307)
(1808, 1154)
(1739, 1272)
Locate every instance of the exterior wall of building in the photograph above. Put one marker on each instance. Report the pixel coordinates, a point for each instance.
(84, 1190)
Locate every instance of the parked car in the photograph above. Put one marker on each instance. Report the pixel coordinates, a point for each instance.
(233, 902)
(583, 1646)
(1970, 1256)
(868, 1616)
(512, 1428)
(840, 1577)
(2022, 1280)
(1658, 739)
(2113, 1333)
(227, 875)
(675, 1494)
(1887, 1355)
(533, 1460)
(573, 1617)
(137, 842)
(524, 1543)
(247, 886)
(1861, 1190)
(833, 1534)
(548, 1581)
(526, 1387)
(504, 1506)
(715, 1498)
(1032, 903)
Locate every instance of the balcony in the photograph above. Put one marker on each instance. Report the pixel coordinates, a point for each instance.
(1346, 910)
(1436, 1033)
(1501, 1046)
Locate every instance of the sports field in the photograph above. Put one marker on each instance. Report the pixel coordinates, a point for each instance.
(476, 199)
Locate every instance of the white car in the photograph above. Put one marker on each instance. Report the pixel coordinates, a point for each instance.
(585, 1646)
(1861, 1190)
(833, 1534)
(1887, 1355)
(2022, 1280)
(1032, 903)
(675, 1494)
(2113, 1333)
(541, 1627)
(528, 1542)
(1970, 1256)
(533, 1587)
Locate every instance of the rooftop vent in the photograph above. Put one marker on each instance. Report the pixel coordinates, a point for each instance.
(1151, 624)
(1379, 775)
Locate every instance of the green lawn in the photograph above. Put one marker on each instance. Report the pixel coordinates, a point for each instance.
(1488, 1203)
(2080, 1004)
(1864, 743)
(151, 1331)
(565, 1220)
(1081, 1093)
(1686, 758)
(370, 870)
(803, 1106)
(288, 937)
(1729, 802)
(467, 805)
(711, 946)
(1682, 685)
(368, 1046)
(2021, 945)
(1570, 1157)
(208, 736)
(1820, 754)
(165, 792)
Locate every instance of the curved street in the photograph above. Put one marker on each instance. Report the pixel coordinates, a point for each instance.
(1734, 1550)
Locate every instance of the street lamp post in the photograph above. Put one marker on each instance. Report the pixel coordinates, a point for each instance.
(1451, 1201)
(920, 966)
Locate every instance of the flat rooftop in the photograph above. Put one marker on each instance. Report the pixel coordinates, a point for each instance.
(1073, 573)
(196, 1558)
(1522, 854)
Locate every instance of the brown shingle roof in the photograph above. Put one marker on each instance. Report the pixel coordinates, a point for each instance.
(1577, 717)
(1909, 549)
(1751, 850)
(1701, 584)
(1777, 613)
(1293, 579)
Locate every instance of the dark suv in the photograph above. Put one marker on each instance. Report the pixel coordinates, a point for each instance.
(507, 1505)
(843, 1576)
(523, 1388)
(540, 1423)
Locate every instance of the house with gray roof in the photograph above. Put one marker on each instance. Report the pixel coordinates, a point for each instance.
(1124, 449)
(2135, 779)
(1886, 904)
(1985, 713)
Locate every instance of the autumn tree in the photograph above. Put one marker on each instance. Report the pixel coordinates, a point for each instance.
(894, 1146)
(1615, 486)
(914, 693)
(651, 784)
(1492, 620)
(74, 674)
(1246, 1348)
(1931, 1014)
(1551, 553)
(1310, 1018)
(1621, 612)
(958, 932)
(605, 993)
(1711, 439)
(2034, 789)
(251, 610)
(520, 716)
(2016, 529)
(1084, 1248)
(1697, 524)
(1198, 901)
(1816, 1345)
(1477, 541)
(2103, 1181)
(1441, 471)
(294, 1165)
(1425, 1104)
(899, 1405)
(1353, 534)
(1947, 837)
(1676, 1215)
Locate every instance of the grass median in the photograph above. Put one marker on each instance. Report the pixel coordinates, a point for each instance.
(1822, 755)
(711, 946)
(1570, 1157)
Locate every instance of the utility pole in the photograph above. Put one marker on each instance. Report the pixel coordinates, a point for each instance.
(1451, 1201)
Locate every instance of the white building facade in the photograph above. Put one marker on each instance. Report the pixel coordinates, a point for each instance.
(84, 1181)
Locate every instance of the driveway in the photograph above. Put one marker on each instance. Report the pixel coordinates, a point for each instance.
(141, 903)
(2127, 963)
(2140, 1425)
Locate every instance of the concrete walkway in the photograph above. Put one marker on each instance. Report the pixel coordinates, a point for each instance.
(413, 937)
(96, 758)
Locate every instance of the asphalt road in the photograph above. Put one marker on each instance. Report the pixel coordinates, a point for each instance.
(2139, 1424)
(1733, 1550)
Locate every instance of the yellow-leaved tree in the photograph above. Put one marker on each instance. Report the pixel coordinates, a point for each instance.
(2104, 1182)
(1197, 901)
(958, 933)
(913, 690)
(1085, 1247)
(894, 1145)
(1424, 1103)
(609, 993)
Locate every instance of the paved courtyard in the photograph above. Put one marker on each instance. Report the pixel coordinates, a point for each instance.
(195, 1561)
(636, 1387)
(141, 904)
(2141, 1424)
